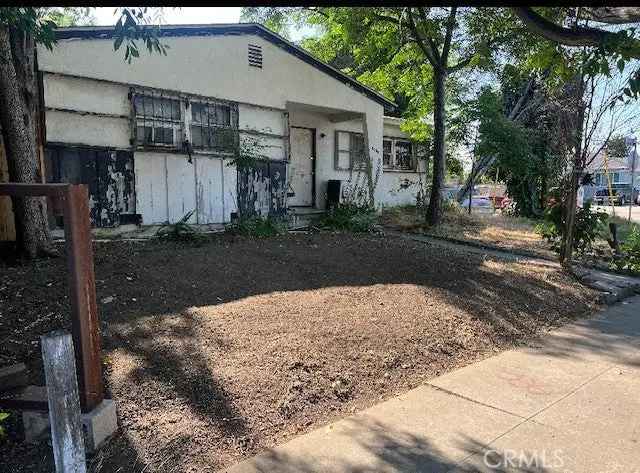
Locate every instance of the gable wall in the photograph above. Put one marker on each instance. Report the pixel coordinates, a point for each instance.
(213, 66)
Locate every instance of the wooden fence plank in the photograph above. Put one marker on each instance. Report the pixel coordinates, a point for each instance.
(64, 404)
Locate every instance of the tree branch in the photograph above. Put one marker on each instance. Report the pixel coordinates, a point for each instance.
(432, 44)
(460, 65)
(612, 15)
(420, 40)
(451, 23)
(569, 36)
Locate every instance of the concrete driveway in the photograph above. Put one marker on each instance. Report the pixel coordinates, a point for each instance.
(571, 403)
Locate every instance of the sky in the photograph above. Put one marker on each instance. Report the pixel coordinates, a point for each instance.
(183, 15)
(191, 15)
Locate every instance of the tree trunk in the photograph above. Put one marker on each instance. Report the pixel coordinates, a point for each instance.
(566, 252)
(18, 98)
(434, 212)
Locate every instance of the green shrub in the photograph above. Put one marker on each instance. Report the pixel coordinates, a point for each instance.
(452, 206)
(588, 225)
(350, 217)
(630, 253)
(257, 227)
(3, 417)
(180, 231)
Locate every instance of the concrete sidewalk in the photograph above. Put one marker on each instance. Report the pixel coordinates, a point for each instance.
(570, 403)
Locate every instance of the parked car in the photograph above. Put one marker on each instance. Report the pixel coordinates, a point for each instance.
(620, 195)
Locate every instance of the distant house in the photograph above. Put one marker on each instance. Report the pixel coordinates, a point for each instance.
(618, 169)
(154, 139)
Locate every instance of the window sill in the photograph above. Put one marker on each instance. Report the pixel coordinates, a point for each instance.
(401, 171)
(158, 149)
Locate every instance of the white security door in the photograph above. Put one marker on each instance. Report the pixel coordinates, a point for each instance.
(301, 167)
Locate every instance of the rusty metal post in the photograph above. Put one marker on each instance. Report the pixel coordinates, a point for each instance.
(82, 285)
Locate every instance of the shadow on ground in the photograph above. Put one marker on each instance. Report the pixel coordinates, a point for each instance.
(379, 448)
(147, 293)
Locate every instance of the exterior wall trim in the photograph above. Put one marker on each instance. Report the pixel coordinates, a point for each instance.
(177, 93)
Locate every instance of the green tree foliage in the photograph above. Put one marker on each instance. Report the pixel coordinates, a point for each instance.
(617, 147)
(530, 158)
(588, 225)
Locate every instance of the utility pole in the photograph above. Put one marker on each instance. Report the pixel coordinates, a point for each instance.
(473, 161)
(633, 174)
(610, 187)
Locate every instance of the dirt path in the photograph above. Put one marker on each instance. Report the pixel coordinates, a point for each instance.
(213, 353)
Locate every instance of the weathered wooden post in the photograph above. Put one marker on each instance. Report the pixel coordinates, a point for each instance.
(82, 283)
(64, 403)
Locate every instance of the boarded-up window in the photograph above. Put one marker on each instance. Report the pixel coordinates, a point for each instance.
(158, 120)
(109, 176)
(350, 150)
(214, 126)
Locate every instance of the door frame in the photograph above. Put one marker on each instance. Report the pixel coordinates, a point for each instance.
(313, 165)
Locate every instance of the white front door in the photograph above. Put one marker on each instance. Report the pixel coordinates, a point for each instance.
(301, 167)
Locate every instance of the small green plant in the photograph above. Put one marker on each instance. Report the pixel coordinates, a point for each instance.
(350, 217)
(452, 206)
(180, 231)
(257, 227)
(588, 225)
(3, 416)
(629, 258)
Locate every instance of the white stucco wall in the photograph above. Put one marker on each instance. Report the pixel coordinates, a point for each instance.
(400, 187)
(212, 66)
(393, 188)
(88, 76)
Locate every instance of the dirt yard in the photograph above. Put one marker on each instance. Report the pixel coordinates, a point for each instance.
(217, 351)
(502, 232)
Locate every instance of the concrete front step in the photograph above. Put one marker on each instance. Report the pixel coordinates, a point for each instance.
(300, 217)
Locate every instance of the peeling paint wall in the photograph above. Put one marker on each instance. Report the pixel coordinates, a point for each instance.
(394, 187)
(262, 191)
(325, 149)
(108, 174)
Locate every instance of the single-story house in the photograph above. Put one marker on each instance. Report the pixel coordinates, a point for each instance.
(619, 170)
(155, 139)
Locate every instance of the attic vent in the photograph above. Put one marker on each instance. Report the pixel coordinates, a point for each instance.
(255, 55)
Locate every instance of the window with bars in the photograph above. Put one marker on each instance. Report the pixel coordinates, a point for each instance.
(214, 126)
(398, 154)
(158, 120)
(350, 150)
